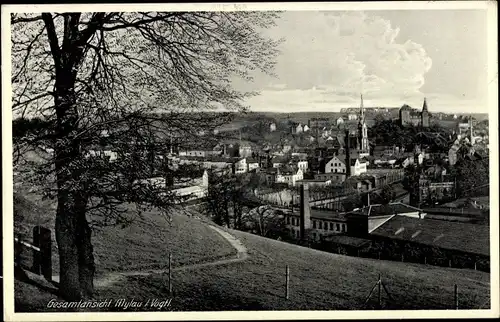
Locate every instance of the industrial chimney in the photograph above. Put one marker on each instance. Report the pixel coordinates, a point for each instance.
(305, 212)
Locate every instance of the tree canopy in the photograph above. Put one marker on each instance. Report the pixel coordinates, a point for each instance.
(142, 78)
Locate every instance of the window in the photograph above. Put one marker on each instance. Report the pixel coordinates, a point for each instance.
(314, 235)
(335, 170)
(288, 220)
(314, 224)
(319, 224)
(338, 227)
(331, 226)
(344, 226)
(326, 226)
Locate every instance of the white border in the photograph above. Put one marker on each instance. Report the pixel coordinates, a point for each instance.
(7, 184)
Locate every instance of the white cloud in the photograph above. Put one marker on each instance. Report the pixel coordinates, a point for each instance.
(341, 55)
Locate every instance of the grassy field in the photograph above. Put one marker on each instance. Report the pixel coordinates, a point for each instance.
(144, 244)
(319, 281)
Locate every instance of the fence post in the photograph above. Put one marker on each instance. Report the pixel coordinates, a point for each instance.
(456, 297)
(475, 266)
(449, 262)
(287, 282)
(379, 291)
(42, 260)
(170, 273)
(18, 250)
(425, 260)
(402, 257)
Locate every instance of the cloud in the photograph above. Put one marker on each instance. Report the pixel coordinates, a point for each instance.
(343, 54)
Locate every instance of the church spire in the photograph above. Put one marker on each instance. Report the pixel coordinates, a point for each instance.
(361, 109)
(424, 108)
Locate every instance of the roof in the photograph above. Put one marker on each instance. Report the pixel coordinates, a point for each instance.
(312, 180)
(465, 237)
(382, 210)
(353, 162)
(347, 240)
(324, 215)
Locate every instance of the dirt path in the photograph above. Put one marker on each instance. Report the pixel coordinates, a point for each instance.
(115, 277)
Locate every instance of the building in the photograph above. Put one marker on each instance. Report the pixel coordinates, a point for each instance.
(301, 164)
(289, 176)
(363, 144)
(352, 116)
(272, 127)
(241, 166)
(338, 165)
(245, 151)
(306, 128)
(409, 116)
(314, 182)
(299, 128)
(335, 165)
(333, 177)
(318, 123)
(252, 164)
(339, 121)
(357, 167)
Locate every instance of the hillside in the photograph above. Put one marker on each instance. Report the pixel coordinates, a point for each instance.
(319, 281)
(144, 244)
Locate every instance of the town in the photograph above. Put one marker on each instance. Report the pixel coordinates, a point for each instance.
(249, 160)
(336, 184)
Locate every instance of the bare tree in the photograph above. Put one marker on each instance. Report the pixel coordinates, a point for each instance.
(138, 79)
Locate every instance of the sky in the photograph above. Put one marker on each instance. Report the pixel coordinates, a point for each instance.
(392, 57)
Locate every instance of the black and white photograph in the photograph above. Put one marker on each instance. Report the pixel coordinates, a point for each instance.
(199, 161)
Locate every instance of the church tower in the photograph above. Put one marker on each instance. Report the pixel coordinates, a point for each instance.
(363, 130)
(424, 116)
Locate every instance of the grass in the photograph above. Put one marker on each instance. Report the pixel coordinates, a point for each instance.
(319, 281)
(144, 244)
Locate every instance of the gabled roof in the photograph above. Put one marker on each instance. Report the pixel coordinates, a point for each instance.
(458, 236)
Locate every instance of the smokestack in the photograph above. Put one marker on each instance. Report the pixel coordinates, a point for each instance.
(305, 211)
(348, 154)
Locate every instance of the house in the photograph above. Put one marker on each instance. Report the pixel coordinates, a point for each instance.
(299, 128)
(110, 155)
(335, 165)
(286, 148)
(385, 162)
(306, 128)
(340, 121)
(252, 164)
(352, 116)
(279, 162)
(241, 166)
(272, 127)
(403, 162)
(301, 164)
(245, 151)
(357, 167)
(289, 176)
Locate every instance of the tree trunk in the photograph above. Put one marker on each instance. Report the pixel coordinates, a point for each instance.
(73, 233)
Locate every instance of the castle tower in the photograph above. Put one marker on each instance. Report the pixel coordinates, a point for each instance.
(363, 130)
(424, 116)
